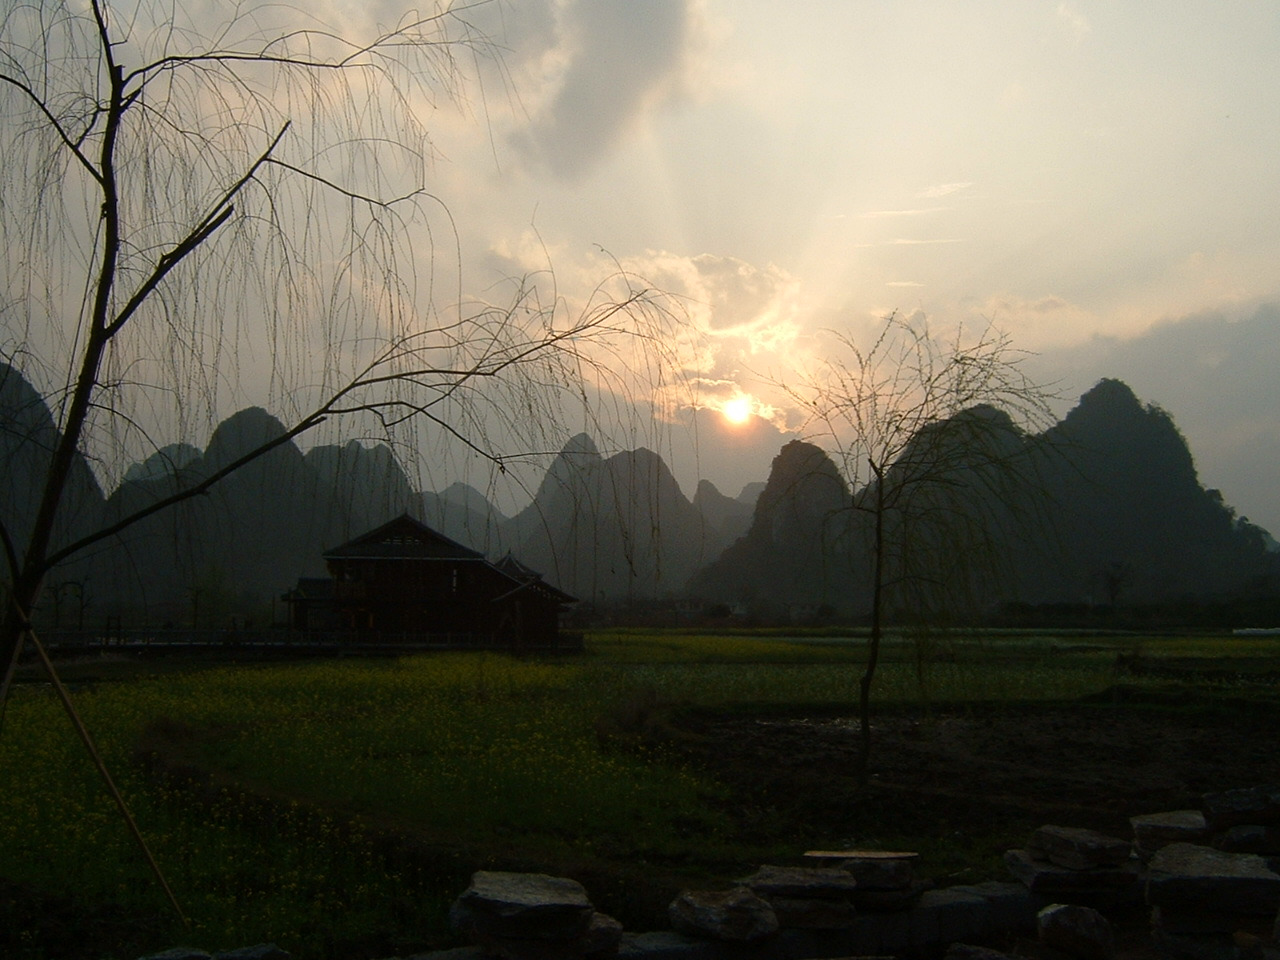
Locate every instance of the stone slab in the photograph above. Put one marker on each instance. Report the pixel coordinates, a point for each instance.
(1176, 946)
(667, 945)
(802, 883)
(1185, 919)
(1078, 849)
(1079, 932)
(1186, 875)
(1011, 907)
(260, 951)
(1249, 838)
(522, 906)
(957, 914)
(1151, 831)
(969, 951)
(1108, 884)
(885, 874)
(1230, 808)
(736, 915)
(797, 914)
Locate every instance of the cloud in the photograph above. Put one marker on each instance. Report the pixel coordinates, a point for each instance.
(904, 283)
(1034, 322)
(1074, 20)
(907, 242)
(903, 213)
(606, 65)
(943, 190)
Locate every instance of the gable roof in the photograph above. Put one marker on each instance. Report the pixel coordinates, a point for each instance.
(403, 538)
(527, 578)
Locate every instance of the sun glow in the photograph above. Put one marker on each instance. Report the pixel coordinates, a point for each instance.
(738, 410)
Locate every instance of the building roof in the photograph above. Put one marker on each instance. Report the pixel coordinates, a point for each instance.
(403, 538)
(528, 578)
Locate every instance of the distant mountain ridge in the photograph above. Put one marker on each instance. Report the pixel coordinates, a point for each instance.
(1107, 508)
(1131, 521)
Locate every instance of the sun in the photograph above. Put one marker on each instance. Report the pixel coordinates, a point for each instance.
(738, 410)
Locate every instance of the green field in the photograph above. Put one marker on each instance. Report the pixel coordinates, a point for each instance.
(337, 807)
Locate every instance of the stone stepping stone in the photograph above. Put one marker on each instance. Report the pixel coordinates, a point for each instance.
(1058, 882)
(1078, 849)
(802, 883)
(523, 906)
(1079, 932)
(1202, 879)
(1233, 808)
(874, 870)
(1152, 831)
(737, 915)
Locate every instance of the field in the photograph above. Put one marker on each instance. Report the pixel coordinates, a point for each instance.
(337, 807)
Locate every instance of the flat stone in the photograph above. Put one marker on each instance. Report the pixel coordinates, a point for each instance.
(886, 933)
(522, 906)
(967, 951)
(956, 914)
(736, 915)
(667, 945)
(1077, 931)
(1078, 849)
(886, 901)
(456, 953)
(600, 941)
(1249, 838)
(880, 873)
(259, 951)
(838, 855)
(1185, 875)
(1151, 831)
(1011, 907)
(180, 953)
(803, 883)
(602, 938)
(1190, 920)
(1213, 946)
(1230, 808)
(800, 914)
(1102, 885)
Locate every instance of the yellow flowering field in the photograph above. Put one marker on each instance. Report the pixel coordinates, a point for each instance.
(312, 803)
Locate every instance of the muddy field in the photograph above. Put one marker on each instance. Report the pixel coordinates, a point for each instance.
(964, 785)
(992, 770)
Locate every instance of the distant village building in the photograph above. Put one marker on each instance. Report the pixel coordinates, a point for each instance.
(405, 581)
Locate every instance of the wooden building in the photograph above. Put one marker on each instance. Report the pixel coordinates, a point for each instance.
(406, 581)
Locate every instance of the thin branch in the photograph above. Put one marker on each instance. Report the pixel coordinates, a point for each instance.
(218, 214)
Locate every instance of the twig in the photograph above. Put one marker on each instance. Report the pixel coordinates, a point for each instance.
(83, 732)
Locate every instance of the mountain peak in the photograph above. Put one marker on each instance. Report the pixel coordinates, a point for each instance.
(240, 434)
(580, 446)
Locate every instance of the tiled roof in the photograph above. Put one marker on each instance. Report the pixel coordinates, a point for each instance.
(403, 538)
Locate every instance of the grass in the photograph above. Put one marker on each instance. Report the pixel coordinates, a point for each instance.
(309, 804)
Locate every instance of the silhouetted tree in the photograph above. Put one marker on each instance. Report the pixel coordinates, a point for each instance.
(177, 197)
(926, 434)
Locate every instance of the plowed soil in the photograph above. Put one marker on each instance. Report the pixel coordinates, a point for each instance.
(964, 785)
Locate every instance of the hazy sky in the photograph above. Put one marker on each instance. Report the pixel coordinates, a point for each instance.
(1097, 179)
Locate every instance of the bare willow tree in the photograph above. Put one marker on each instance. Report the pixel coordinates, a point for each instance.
(935, 437)
(190, 209)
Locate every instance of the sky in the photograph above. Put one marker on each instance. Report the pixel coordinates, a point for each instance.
(1097, 180)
